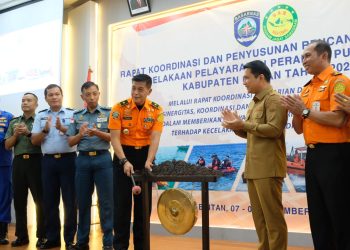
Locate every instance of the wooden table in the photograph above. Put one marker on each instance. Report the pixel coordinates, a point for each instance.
(145, 178)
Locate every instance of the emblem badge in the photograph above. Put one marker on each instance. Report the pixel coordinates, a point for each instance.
(280, 22)
(115, 115)
(339, 87)
(247, 27)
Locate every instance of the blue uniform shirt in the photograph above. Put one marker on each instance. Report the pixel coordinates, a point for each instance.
(99, 119)
(55, 141)
(5, 155)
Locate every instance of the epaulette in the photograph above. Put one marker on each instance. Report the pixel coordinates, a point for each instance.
(155, 105)
(78, 111)
(274, 92)
(70, 109)
(14, 118)
(307, 83)
(336, 73)
(124, 103)
(42, 110)
(105, 108)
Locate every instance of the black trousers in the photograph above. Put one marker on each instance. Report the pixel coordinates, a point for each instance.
(58, 176)
(3, 230)
(327, 173)
(123, 201)
(27, 175)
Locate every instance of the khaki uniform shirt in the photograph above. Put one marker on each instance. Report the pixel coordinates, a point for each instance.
(265, 131)
(23, 144)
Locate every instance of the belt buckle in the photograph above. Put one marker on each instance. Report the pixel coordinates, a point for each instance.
(311, 145)
(138, 147)
(26, 157)
(57, 156)
(92, 153)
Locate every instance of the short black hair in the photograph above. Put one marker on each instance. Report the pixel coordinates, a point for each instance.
(51, 86)
(321, 47)
(257, 68)
(30, 93)
(143, 78)
(87, 85)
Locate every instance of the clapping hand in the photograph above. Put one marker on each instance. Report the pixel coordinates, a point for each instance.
(293, 103)
(343, 101)
(48, 124)
(231, 120)
(92, 131)
(83, 130)
(21, 129)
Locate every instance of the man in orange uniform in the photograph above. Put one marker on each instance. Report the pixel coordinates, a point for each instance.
(317, 115)
(136, 125)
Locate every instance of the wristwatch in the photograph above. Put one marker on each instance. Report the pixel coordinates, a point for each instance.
(122, 161)
(305, 114)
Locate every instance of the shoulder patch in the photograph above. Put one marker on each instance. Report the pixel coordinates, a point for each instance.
(42, 110)
(339, 86)
(124, 103)
(78, 111)
(336, 73)
(307, 83)
(115, 115)
(155, 105)
(160, 117)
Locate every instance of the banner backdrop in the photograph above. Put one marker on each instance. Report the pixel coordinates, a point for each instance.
(195, 56)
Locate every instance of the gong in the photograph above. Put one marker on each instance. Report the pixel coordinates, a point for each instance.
(177, 211)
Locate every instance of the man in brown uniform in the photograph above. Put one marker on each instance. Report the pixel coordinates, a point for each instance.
(317, 115)
(266, 155)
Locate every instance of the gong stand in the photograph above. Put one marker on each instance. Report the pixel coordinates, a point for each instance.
(145, 178)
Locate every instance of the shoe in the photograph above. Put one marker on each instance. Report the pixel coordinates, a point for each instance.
(107, 248)
(4, 241)
(20, 242)
(40, 242)
(50, 244)
(70, 246)
(79, 247)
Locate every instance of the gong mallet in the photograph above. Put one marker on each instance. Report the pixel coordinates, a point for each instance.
(136, 190)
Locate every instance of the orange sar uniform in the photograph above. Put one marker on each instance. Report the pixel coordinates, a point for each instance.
(136, 125)
(326, 169)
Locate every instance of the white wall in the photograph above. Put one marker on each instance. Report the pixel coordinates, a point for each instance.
(79, 51)
(81, 35)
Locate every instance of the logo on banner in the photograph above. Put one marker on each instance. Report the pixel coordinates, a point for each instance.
(280, 22)
(247, 27)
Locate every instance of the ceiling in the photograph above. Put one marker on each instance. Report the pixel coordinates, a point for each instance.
(4, 4)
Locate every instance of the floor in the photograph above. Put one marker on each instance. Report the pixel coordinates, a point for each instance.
(157, 242)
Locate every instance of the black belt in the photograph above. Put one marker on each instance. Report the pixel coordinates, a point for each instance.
(28, 156)
(60, 155)
(322, 144)
(93, 153)
(135, 147)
